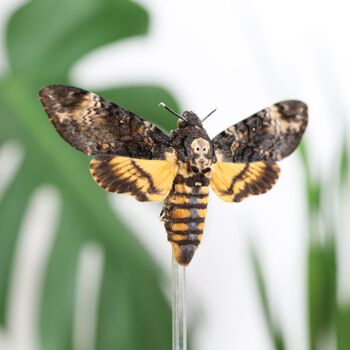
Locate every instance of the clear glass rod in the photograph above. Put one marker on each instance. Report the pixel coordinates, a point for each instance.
(179, 307)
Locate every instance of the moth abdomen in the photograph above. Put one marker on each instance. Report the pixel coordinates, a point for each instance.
(184, 216)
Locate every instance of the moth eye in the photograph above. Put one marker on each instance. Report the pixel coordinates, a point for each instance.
(197, 149)
(204, 149)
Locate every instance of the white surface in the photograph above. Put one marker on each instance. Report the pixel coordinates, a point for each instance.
(90, 272)
(28, 270)
(11, 154)
(239, 56)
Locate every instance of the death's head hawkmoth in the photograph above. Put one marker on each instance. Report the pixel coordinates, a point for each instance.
(131, 155)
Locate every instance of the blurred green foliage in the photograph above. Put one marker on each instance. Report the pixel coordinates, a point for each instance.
(328, 316)
(44, 39)
(273, 328)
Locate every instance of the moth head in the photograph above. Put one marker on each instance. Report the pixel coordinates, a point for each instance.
(189, 119)
(201, 154)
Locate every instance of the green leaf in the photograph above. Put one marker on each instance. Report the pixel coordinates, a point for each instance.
(12, 207)
(342, 327)
(44, 39)
(92, 216)
(344, 163)
(132, 313)
(148, 98)
(313, 186)
(60, 282)
(322, 288)
(274, 330)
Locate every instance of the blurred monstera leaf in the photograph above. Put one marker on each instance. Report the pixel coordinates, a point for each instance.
(44, 39)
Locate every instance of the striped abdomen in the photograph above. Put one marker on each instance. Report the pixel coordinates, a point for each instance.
(184, 215)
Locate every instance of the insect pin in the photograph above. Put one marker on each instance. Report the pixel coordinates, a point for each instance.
(133, 156)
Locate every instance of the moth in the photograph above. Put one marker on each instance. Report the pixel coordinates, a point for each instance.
(133, 156)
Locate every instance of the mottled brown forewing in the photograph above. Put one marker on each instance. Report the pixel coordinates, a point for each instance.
(97, 126)
(268, 135)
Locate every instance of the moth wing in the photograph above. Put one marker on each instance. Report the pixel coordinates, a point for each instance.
(233, 182)
(269, 135)
(94, 125)
(146, 180)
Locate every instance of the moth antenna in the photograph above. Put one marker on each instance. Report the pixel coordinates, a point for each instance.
(205, 118)
(162, 104)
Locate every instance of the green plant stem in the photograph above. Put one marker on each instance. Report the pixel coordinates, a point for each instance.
(179, 307)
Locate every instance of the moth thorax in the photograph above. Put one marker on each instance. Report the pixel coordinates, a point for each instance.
(201, 153)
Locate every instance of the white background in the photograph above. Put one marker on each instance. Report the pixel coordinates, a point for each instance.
(239, 56)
